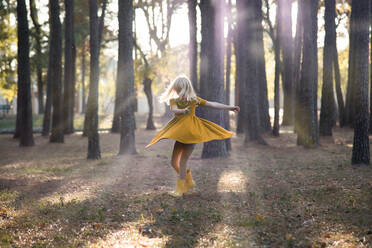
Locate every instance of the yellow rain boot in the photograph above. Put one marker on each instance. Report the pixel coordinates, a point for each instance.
(181, 187)
(189, 182)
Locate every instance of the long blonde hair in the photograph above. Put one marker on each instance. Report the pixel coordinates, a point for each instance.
(183, 85)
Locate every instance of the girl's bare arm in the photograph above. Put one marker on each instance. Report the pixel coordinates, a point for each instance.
(178, 111)
(218, 105)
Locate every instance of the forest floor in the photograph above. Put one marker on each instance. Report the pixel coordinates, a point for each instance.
(279, 195)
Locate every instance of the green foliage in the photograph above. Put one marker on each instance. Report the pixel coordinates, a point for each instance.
(8, 50)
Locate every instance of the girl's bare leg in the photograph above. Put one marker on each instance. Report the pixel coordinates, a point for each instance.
(187, 150)
(176, 156)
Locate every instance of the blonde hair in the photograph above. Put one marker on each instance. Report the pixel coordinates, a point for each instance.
(183, 85)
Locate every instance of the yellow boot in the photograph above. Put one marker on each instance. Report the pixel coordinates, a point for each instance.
(181, 187)
(189, 182)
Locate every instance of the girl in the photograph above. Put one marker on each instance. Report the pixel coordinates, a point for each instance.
(187, 129)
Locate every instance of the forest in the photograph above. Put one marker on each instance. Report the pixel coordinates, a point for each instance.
(80, 87)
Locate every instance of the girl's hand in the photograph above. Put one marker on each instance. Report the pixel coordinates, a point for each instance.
(236, 109)
(186, 110)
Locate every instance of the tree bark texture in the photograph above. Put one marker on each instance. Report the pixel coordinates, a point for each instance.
(125, 78)
(24, 83)
(55, 55)
(307, 130)
(212, 70)
(361, 151)
(39, 66)
(148, 92)
(94, 151)
(328, 108)
(287, 48)
(69, 73)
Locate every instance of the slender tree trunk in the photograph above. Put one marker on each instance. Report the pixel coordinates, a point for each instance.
(228, 69)
(39, 70)
(370, 72)
(277, 74)
(361, 151)
(94, 151)
(126, 78)
(263, 102)
(56, 73)
(212, 69)
(239, 82)
(147, 89)
(83, 67)
(193, 46)
(349, 108)
(297, 65)
(327, 113)
(340, 98)
(308, 130)
(24, 82)
(69, 83)
(287, 48)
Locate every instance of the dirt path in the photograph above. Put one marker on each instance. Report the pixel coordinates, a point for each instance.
(279, 195)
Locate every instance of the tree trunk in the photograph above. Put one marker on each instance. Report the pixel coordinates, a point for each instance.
(277, 73)
(287, 48)
(126, 78)
(361, 152)
(24, 82)
(69, 83)
(263, 102)
(307, 132)
(239, 81)
(56, 72)
(212, 70)
(251, 70)
(228, 69)
(94, 151)
(193, 46)
(297, 65)
(147, 89)
(83, 67)
(340, 98)
(327, 112)
(39, 70)
(349, 108)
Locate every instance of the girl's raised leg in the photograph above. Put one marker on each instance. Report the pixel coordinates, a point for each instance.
(176, 156)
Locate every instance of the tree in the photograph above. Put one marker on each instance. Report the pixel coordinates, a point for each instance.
(307, 130)
(327, 112)
(276, 44)
(349, 109)
(250, 68)
(287, 48)
(361, 152)
(125, 78)
(92, 108)
(193, 46)
(55, 73)
(212, 69)
(39, 57)
(69, 73)
(263, 102)
(228, 68)
(24, 113)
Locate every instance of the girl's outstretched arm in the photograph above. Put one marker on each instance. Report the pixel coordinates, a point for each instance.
(218, 105)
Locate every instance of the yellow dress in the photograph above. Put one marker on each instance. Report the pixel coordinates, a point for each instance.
(189, 129)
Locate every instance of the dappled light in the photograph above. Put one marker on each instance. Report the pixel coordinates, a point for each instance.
(232, 181)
